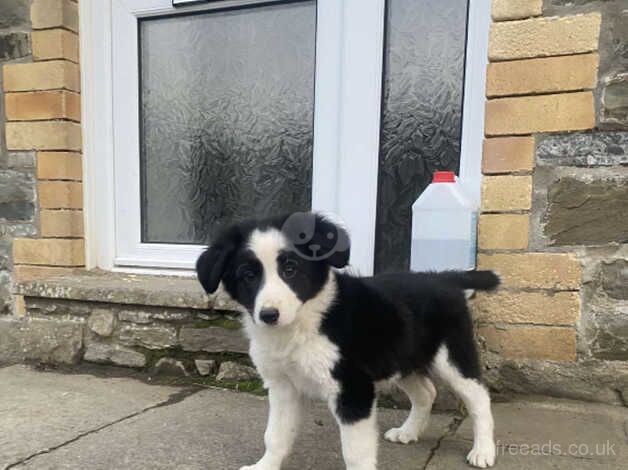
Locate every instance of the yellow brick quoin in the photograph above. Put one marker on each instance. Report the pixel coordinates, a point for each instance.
(43, 135)
(61, 223)
(541, 113)
(37, 105)
(508, 155)
(559, 271)
(548, 75)
(516, 9)
(531, 342)
(49, 251)
(59, 166)
(544, 37)
(55, 44)
(503, 231)
(48, 75)
(544, 308)
(506, 193)
(60, 194)
(54, 13)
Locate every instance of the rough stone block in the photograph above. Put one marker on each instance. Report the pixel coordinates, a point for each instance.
(547, 75)
(587, 212)
(171, 367)
(542, 308)
(615, 278)
(48, 75)
(508, 155)
(558, 271)
(49, 251)
(235, 372)
(49, 341)
(15, 13)
(146, 316)
(212, 339)
(583, 149)
(17, 195)
(21, 160)
(542, 113)
(102, 321)
(610, 338)
(615, 101)
(38, 105)
(503, 231)
(506, 193)
(54, 13)
(543, 37)
(515, 9)
(61, 223)
(151, 337)
(60, 195)
(59, 166)
(55, 44)
(43, 135)
(14, 45)
(206, 366)
(531, 342)
(114, 354)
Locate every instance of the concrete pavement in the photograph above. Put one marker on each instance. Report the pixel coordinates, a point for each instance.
(76, 421)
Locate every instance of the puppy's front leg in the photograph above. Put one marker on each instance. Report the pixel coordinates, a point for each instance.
(358, 432)
(282, 427)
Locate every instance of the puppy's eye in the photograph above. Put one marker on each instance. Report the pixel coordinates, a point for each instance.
(248, 276)
(289, 271)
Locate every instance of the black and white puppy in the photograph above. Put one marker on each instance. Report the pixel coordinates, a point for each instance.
(317, 332)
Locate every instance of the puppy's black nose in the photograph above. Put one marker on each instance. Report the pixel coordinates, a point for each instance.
(269, 315)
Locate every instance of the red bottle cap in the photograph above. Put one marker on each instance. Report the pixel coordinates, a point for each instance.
(444, 177)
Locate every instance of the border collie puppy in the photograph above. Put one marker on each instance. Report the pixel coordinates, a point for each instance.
(320, 333)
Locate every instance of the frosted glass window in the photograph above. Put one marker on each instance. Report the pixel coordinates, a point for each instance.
(421, 114)
(227, 106)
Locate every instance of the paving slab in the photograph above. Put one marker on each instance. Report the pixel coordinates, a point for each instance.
(219, 429)
(42, 410)
(547, 434)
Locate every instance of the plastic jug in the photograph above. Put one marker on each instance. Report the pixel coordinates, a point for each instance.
(443, 227)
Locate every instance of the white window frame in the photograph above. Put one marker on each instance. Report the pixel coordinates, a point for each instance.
(349, 58)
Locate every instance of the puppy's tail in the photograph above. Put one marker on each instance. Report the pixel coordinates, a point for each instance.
(472, 280)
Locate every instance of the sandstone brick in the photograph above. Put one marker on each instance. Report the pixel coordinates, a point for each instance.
(543, 113)
(20, 306)
(37, 105)
(508, 155)
(60, 195)
(531, 342)
(46, 251)
(49, 75)
(503, 231)
(43, 135)
(54, 13)
(61, 223)
(546, 75)
(59, 166)
(26, 273)
(55, 44)
(543, 37)
(506, 193)
(543, 308)
(516, 9)
(558, 271)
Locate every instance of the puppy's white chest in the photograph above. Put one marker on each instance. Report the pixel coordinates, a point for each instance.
(306, 362)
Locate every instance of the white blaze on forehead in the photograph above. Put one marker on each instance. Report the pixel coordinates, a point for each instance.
(266, 246)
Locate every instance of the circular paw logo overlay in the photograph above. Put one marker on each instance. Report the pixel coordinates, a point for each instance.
(314, 237)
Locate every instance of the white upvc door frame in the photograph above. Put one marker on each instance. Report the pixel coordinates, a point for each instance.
(348, 81)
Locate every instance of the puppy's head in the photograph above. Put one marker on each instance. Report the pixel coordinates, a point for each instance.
(273, 267)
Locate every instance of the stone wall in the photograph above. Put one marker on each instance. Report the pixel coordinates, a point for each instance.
(555, 199)
(17, 168)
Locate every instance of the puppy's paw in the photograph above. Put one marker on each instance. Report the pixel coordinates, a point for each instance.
(482, 454)
(401, 435)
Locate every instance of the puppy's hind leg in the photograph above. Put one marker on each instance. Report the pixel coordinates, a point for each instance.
(478, 404)
(422, 393)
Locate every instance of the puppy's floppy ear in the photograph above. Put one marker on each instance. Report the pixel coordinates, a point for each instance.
(211, 265)
(335, 241)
